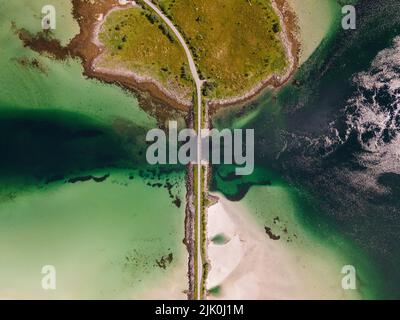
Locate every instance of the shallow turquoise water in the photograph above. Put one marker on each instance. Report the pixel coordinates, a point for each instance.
(56, 85)
(104, 238)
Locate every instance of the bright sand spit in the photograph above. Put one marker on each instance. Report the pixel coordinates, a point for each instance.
(315, 20)
(253, 266)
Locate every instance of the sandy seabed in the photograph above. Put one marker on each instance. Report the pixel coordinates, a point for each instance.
(253, 266)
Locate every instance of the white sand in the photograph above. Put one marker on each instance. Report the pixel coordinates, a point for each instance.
(252, 266)
(315, 19)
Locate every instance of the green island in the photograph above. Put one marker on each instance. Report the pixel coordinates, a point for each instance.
(236, 45)
(136, 40)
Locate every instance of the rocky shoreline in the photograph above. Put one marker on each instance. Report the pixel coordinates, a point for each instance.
(84, 47)
(138, 80)
(88, 49)
(189, 230)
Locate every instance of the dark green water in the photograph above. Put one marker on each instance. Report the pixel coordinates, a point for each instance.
(46, 144)
(291, 126)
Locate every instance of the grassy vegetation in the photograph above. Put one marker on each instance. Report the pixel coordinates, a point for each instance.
(138, 41)
(235, 43)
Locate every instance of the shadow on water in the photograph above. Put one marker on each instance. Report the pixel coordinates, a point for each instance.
(46, 146)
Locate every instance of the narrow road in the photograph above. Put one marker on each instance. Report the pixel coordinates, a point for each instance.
(199, 84)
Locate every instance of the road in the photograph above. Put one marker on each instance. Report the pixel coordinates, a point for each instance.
(199, 84)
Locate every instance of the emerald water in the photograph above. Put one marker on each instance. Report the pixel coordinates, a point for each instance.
(54, 84)
(74, 189)
(28, 15)
(104, 239)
